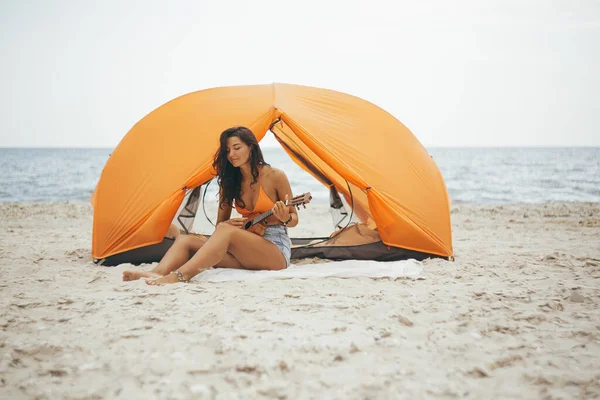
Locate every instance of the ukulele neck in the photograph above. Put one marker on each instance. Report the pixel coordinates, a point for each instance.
(262, 217)
(296, 202)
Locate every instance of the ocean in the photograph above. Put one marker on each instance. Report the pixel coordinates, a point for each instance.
(472, 175)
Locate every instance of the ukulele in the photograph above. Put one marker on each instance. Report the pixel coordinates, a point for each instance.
(257, 223)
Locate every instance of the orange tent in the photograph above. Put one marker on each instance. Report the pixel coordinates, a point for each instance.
(340, 139)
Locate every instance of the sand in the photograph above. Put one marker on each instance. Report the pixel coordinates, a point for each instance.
(515, 316)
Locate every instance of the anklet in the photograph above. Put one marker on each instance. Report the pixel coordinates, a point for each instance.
(180, 276)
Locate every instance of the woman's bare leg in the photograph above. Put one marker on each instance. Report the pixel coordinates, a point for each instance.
(179, 253)
(250, 250)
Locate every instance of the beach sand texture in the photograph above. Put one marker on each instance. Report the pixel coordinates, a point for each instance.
(515, 316)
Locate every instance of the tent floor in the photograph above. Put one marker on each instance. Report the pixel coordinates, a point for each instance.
(377, 251)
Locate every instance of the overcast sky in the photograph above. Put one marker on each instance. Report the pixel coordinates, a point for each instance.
(457, 73)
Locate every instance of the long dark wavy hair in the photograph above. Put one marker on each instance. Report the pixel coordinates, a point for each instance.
(230, 177)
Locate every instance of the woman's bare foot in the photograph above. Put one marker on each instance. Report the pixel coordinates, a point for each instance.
(134, 275)
(163, 280)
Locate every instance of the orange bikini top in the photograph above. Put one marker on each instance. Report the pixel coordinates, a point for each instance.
(263, 204)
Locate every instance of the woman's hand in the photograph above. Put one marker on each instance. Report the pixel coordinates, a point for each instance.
(281, 211)
(237, 222)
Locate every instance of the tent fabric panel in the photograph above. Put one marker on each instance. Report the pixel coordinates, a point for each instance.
(135, 183)
(397, 230)
(148, 230)
(311, 163)
(340, 128)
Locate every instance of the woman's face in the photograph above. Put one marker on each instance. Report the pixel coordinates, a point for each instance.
(238, 152)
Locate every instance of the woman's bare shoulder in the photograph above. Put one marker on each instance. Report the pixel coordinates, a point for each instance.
(272, 173)
(276, 181)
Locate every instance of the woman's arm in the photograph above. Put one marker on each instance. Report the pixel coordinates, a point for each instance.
(224, 211)
(283, 188)
(224, 215)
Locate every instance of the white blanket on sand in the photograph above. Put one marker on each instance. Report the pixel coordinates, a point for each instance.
(411, 269)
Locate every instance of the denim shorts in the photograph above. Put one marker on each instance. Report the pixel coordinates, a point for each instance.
(278, 234)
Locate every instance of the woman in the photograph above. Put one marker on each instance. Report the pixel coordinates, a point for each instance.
(247, 182)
